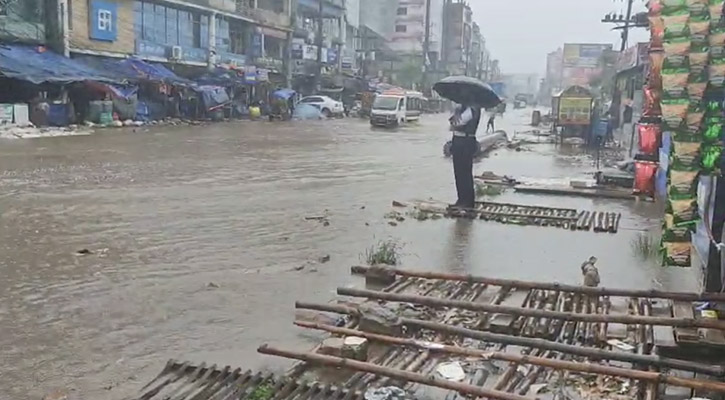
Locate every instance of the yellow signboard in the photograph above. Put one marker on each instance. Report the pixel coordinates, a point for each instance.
(575, 111)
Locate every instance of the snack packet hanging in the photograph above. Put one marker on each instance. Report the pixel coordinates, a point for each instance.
(711, 157)
(654, 77)
(685, 156)
(677, 254)
(649, 138)
(676, 53)
(675, 233)
(716, 70)
(673, 6)
(716, 10)
(696, 91)
(694, 121)
(713, 132)
(674, 113)
(676, 25)
(684, 211)
(698, 62)
(654, 7)
(674, 85)
(682, 184)
(644, 177)
(657, 32)
(652, 107)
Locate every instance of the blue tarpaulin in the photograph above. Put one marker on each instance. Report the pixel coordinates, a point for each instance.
(213, 95)
(220, 77)
(284, 94)
(38, 65)
(135, 69)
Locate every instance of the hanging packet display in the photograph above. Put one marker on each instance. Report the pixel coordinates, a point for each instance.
(716, 70)
(672, 232)
(674, 113)
(673, 6)
(694, 121)
(676, 25)
(696, 91)
(711, 158)
(676, 53)
(652, 106)
(677, 254)
(685, 156)
(716, 10)
(682, 184)
(713, 130)
(684, 211)
(674, 85)
(649, 138)
(644, 174)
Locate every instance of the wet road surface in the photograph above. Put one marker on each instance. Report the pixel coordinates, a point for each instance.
(196, 233)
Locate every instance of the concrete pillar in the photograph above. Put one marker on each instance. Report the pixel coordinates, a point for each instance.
(64, 25)
(212, 60)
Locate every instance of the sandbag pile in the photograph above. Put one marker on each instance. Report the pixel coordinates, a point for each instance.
(684, 97)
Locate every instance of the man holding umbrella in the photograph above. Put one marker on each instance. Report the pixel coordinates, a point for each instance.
(471, 95)
(464, 124)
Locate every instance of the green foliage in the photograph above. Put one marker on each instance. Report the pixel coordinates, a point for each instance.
(386, 252)
(264, 391)
(645, 246)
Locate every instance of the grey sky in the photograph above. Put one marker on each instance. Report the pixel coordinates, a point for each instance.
(521, 32)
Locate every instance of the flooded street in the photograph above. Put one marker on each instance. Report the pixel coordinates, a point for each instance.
(196, 234)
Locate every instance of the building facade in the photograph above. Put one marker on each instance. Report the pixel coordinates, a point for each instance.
(23, 21)
(195, 33)
(457, 36)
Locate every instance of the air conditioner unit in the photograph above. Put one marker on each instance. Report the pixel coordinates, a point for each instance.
(176, 52)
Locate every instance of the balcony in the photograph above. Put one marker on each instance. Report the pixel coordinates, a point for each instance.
(262, 16)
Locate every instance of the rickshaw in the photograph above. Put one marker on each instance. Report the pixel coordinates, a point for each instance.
(572, 111)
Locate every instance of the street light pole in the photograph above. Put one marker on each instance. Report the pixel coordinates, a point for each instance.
(426, 47)
(625, 32)
(318, 70)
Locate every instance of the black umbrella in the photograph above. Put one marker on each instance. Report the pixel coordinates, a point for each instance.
(463, 89)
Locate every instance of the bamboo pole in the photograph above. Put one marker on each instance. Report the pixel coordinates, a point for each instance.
(391, 373)
(586, 368)
(598, 291)
(527, 312)
(592, 353)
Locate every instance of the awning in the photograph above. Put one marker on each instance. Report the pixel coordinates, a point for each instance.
(135, 69)
(36, 64)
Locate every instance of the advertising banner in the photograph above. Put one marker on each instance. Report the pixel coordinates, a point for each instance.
(579, 55)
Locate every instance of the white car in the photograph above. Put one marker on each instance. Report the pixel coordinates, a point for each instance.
(328, 107)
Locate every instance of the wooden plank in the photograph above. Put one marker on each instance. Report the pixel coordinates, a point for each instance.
(618, 331)
(502, 323)
(681, 309)
(664, 336)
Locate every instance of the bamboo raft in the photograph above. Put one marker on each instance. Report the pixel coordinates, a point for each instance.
(514, 340)
(518, 214)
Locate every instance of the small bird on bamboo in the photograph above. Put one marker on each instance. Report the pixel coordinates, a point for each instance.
(590, 272)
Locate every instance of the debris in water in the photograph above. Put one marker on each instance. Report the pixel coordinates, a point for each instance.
(324, 259)
(398, 204)
(451, 371)
(83, 252)
(386, 393)
(392, 223)
(212, 285)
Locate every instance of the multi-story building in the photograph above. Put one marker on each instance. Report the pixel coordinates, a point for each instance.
(184, 32)
(23, 21)
(457, 35)
(311, 16)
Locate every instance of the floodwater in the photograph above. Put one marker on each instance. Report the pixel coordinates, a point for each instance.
(196, 234)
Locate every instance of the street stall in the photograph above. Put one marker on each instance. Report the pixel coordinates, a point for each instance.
(572, 110)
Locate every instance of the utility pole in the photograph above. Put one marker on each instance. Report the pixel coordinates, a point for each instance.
(426, 47)
(318, 70)
(625, 33)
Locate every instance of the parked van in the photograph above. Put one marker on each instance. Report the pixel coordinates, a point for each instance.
(395, 108)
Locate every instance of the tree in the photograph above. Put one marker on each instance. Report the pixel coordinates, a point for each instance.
(410, 74)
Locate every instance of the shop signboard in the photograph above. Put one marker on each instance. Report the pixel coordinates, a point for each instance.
(347, 62)
(582, 55)
(150, 49)
(262, 74)
(238, 60)
(103, 15)
(269, 63)
(193, 54)
(257, 45)
(250, 74)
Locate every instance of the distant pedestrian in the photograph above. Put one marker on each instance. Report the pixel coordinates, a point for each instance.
(464, 124)
(590, 272)
(491, 122)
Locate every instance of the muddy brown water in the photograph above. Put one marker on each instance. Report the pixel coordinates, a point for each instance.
(196, 232)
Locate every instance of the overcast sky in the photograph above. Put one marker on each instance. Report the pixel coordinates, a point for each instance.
(521, 32)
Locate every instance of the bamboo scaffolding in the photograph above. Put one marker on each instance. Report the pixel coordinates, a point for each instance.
(592, 353)
(406, 376)
(696, 384)
(527, 312)
(595, 291)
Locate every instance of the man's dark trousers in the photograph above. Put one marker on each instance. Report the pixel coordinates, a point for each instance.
(463, 149)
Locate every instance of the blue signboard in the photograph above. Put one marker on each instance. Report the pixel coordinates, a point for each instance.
(231, 58)
(104, 17)
(257, 45)
(332, 56)
(193, 54)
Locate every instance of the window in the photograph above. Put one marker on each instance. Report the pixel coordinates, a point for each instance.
(105, 21)
(401, 28)
(402, 10)
(311, 100)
